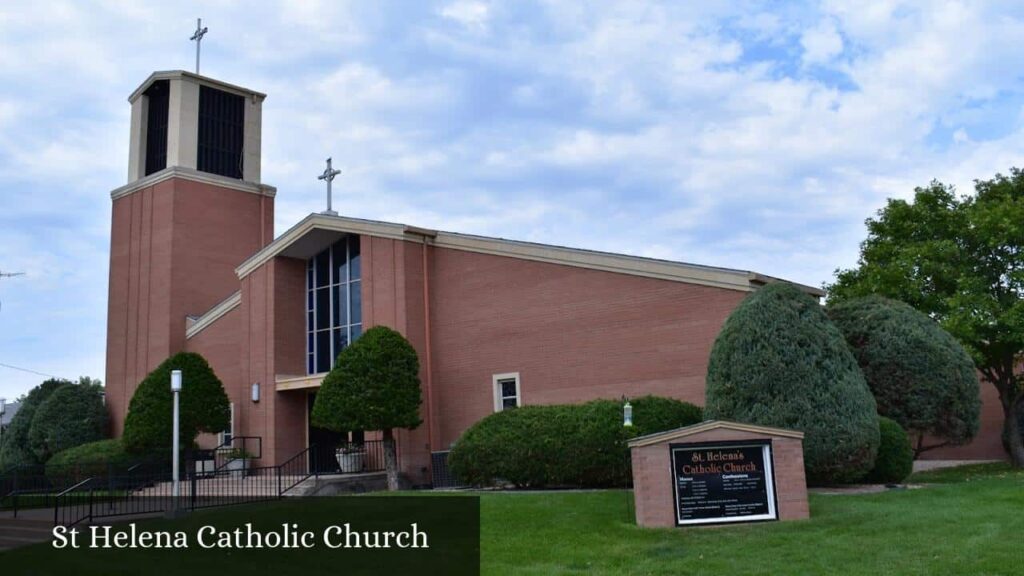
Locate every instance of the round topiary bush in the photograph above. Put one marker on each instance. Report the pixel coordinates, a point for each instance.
(16, 450)
(92, 459)
(779, 361)
(895, 460)
(72, 415)
(920, 375)
(562, 445)
(204, 406)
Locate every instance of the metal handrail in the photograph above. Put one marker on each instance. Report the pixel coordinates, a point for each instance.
(57, 499)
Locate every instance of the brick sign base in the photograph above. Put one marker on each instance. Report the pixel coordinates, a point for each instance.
(716, 473)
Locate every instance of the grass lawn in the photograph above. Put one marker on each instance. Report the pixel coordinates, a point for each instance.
(968, 521)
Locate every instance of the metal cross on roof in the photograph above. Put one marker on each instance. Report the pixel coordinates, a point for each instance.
(198, 37)
(328, 175)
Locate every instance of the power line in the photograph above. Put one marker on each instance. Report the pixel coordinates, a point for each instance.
(30, 371)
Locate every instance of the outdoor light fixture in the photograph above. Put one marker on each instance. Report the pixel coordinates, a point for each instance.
(176, 389)
(627, 414)
(255, 391)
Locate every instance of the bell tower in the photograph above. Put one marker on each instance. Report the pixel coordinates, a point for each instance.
(194, 208)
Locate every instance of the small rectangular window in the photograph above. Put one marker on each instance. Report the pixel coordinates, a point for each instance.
(229, 432)
(506, 391)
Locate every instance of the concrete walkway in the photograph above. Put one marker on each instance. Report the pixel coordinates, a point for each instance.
(925, 465)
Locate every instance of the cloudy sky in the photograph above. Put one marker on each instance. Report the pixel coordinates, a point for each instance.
(738, 134)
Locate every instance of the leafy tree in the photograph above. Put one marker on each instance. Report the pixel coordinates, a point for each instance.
(71, 416)
(15, 450)
(920, 375)
(204, 406)
(779, 361)
(961, 261)
(374, 385)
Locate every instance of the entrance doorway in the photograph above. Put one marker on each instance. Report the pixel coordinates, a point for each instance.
(326, 442)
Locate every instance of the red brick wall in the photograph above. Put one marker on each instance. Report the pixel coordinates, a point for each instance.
(174, 248)
(573, 334)
(652, 476)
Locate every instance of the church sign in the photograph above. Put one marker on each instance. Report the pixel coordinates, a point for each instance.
(723, 482)
(718, 472)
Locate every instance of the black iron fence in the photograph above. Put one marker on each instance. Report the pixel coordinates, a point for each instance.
(154, 492)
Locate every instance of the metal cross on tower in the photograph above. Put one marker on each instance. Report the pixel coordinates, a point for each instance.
(198, 37)
(328, 175)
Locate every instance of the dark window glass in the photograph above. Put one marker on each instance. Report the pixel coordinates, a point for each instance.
(323, 269)
(508, 403)
(323, 308)
(508, 388)
(354, 259)
(340, 263)
(221, 127)
(324, 361)
(340, 340)
(355, 293)
(340, 305)
(310, 367)
(334, 302)
(156, 126)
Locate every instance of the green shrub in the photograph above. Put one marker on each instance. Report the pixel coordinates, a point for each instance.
(779, 361)
(920, 375)
(204, 405)
(15, 450)
(562, 445)
(89, 459)
(375, 385)
(895, 460)
(71, 416)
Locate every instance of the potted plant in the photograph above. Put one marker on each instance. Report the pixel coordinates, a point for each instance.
(238, 462)
(350, 458)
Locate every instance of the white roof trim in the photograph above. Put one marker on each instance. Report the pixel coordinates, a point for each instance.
(619, 263)
(678, 433)
(212, 315)
(199, 79)
(195, 176)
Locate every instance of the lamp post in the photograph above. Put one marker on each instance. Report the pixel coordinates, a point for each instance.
(176, 389)
(627, 414)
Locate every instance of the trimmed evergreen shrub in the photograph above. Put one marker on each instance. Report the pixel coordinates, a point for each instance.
(71, 416)
(204, 406)
(895, 460)
(89, 459)
(15, 450)
(920, 375)
(375, 385)
(779, 361)
(562, 445)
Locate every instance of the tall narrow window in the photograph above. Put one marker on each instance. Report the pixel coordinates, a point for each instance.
(221, 127)
(157, 97)
(334, 316)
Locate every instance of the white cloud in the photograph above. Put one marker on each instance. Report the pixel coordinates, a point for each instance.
(470, 14)
(821, 44)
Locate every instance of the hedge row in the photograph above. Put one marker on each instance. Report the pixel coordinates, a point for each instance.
(562, 445)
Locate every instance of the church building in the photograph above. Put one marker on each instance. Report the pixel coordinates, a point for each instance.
(497, 323)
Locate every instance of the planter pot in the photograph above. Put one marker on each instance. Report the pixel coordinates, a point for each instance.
(237, 467)
(350, 462)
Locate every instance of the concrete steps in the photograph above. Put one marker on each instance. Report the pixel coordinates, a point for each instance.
(17, 532)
